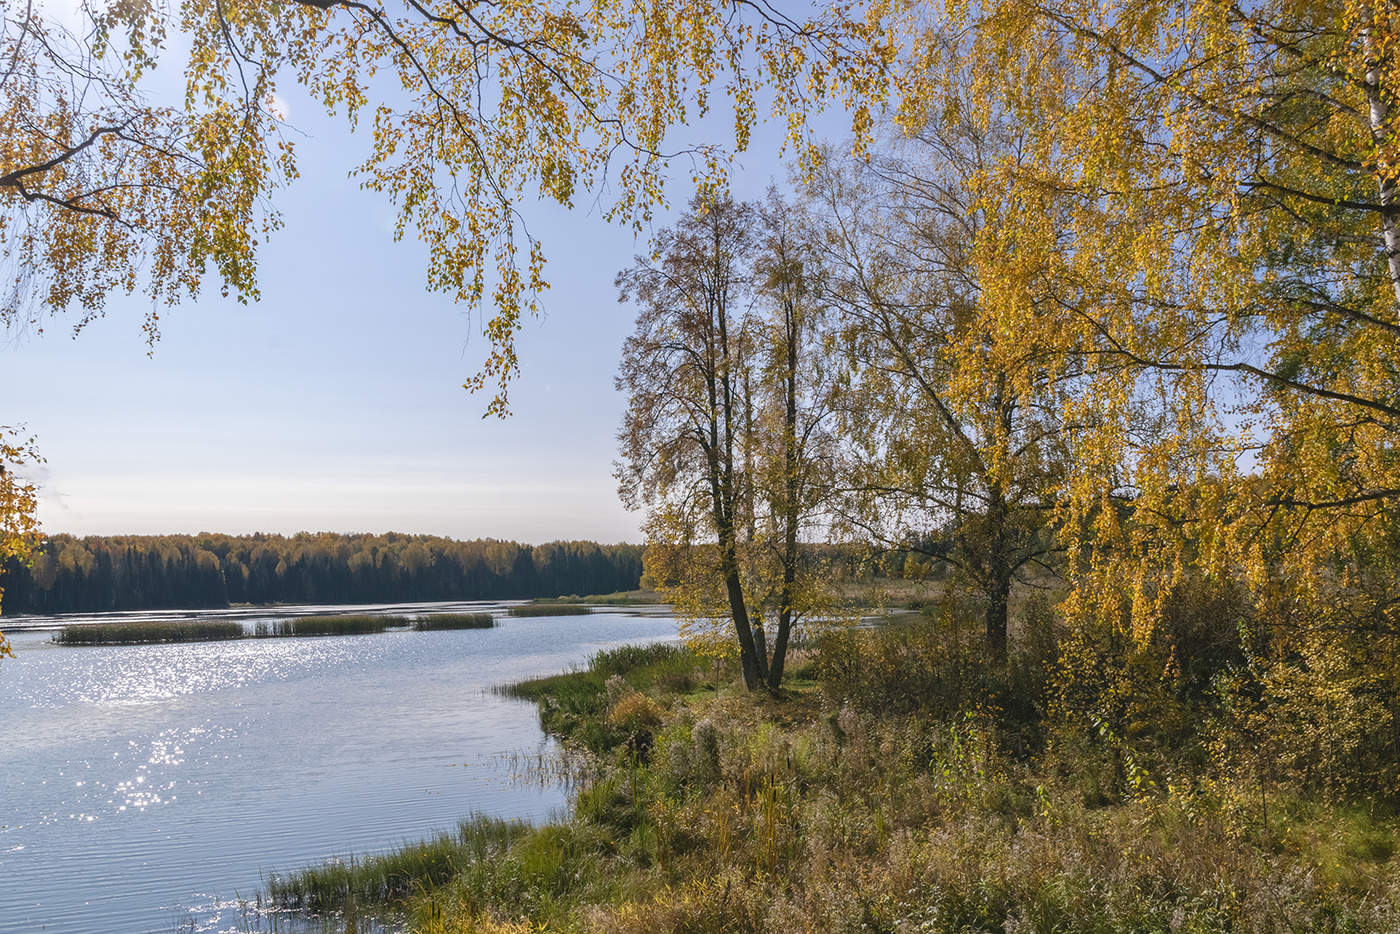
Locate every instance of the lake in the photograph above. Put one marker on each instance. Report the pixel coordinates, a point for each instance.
(151, 788)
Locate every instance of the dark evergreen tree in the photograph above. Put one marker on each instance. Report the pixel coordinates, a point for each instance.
(132, 572)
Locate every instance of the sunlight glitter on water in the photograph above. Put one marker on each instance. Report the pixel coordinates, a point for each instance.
(162, 672)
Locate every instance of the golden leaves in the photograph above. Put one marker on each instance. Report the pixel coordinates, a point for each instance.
(524, 100)
(19, 525)
(1200, 202)
(495, 105)
(105, 192)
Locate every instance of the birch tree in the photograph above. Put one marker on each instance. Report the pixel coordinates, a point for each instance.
(795, 474)
(104, 192)
(724, 441)
(952, 426)
(1229, 173)
(684, 435)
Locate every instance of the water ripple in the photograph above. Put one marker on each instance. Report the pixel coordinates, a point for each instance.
(148, 788)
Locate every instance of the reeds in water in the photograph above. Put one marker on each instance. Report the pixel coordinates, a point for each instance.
(397, 874)
(617, 598)
(327, 625)
(453, 621)
(148, 631)
(549, 609)
(153, 631)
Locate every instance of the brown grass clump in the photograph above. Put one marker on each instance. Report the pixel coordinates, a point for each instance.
(635, 710)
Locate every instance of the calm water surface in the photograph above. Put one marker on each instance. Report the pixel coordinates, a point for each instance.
(150, 788)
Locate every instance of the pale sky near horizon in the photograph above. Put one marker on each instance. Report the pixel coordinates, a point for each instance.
(335, 403)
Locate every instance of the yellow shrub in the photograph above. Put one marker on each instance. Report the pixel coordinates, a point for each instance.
(635, 711)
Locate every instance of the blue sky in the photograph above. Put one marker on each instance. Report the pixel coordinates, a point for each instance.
(336, 403)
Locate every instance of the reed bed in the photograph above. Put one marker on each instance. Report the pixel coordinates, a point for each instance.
(156, 631)
(148, 631)
(327, 625)
(399, 873)
(617, 598)
(453, 621)
(549, 609)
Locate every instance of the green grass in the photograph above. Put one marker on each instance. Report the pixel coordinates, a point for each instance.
(392, 876)
(328, 625)
(453, 621)
(149, 631)
(549, 609)
(573, 705)
(641, 665)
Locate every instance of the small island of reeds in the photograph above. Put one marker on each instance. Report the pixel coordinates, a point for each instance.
(549, 609)
(148, 631)
(639, 597)
(157, 631)
(350, 625)
(453, 621)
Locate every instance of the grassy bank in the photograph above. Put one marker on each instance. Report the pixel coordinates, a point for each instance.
(149, 631)
(549, 609)
(576, 705)
(453, 621)
(902, 784)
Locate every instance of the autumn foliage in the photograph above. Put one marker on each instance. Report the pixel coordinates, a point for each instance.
(1092, 329)
(1107, 312)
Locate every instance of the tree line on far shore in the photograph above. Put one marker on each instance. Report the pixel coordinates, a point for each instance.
(128, 572)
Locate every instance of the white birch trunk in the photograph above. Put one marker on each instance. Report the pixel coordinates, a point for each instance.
(1379, 116)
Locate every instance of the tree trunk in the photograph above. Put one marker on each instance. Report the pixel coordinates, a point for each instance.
(760, 650)
(998, 580)
(998, 600)
(725, 495)
(748, 657)
(780, 644)
(1378, 114)
(791, 507)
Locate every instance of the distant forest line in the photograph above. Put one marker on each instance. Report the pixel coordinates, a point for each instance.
(139, 572)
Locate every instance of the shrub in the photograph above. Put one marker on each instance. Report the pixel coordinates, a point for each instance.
(635, 711)
(936, 665)
(1205, 628)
